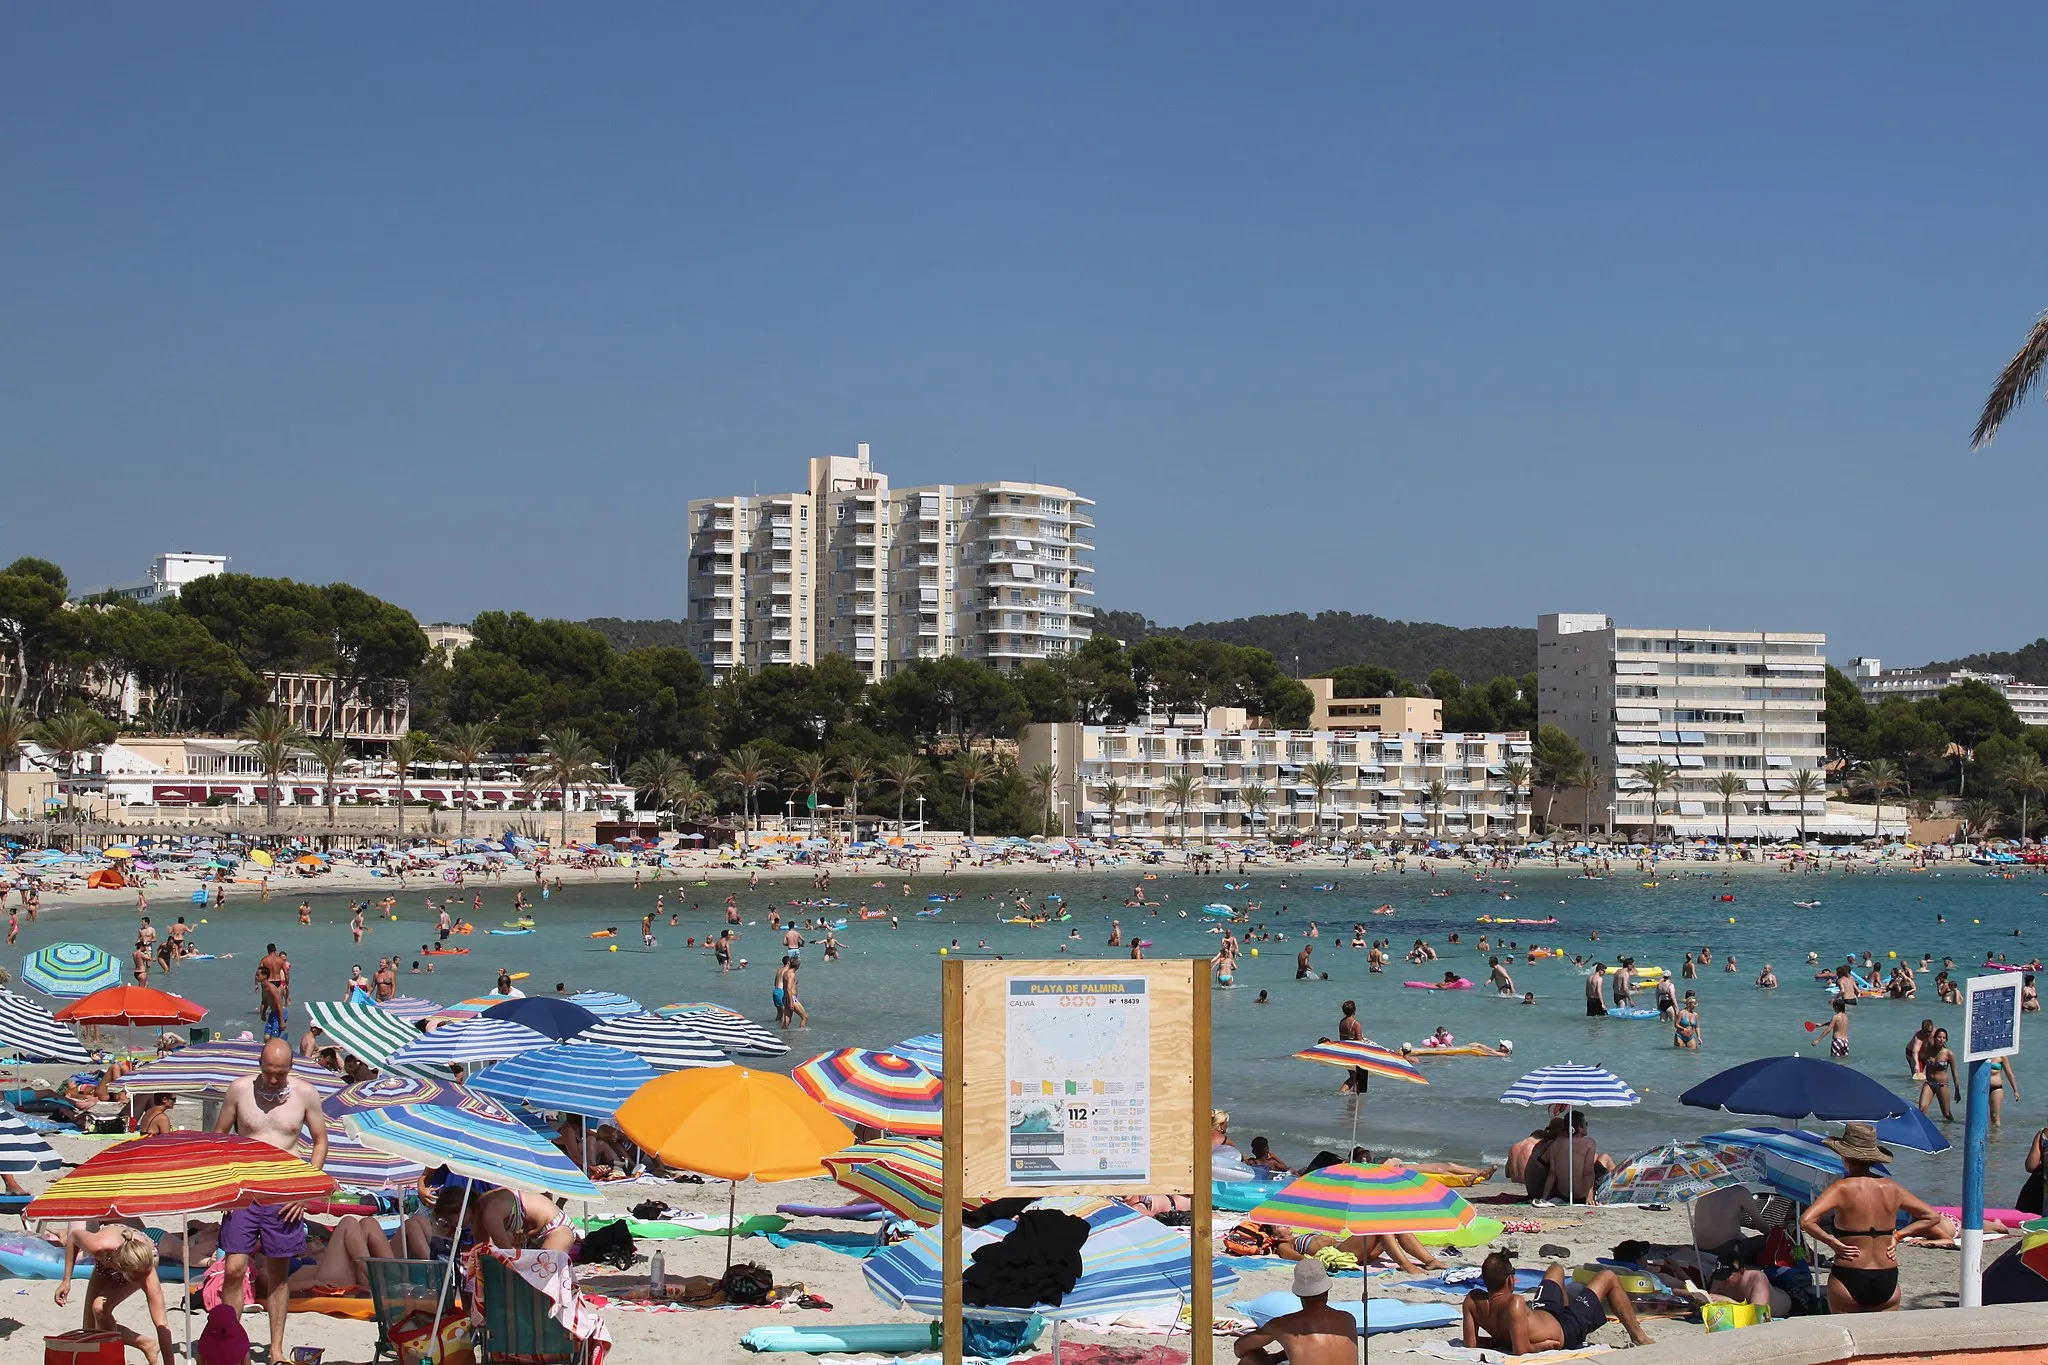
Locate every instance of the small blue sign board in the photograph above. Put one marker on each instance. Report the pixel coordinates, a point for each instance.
(1991, 1016)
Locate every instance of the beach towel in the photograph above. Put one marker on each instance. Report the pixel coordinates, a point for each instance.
(551, 1273)
(1487, 1355)
(862, 1244)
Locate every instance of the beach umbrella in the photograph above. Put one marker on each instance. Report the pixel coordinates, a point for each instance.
(1913, 1130)
(470, 1144)
(879, 1089)
(545, 1015)
(728, 1028)
(132, 1005)
(470, 1042)
(392, 1092)
(1129, 1262)
(1349, 1199)
(570, 1078)
(1796, 1087)
(210, 1068)
(1367, 1057)
(1796, 1164)
(357, 1167)
(663, 1043)
(607, 1004)
(367, 1032)
(733, 1123)
(23, 1150)
(29, 1033)
(1572, 1085)
(926, 1049)
(1677, 1173)
(475, 1005)
(410, 1008)
(904, 1175)
(70, 971)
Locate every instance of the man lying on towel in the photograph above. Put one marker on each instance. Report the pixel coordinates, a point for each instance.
(1316, 1334)
(1558, 1316)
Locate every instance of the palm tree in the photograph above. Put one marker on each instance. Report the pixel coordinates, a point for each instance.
(1255, 795)
(1043, 782)
(1880, 777)
(1806, 783)
(408, 751)
(330, 754)
(2023, 775)
(1978, 815)
(974, 770)
(1181, 790)
(1112, 795)
(1659, 777)
(659, 774)
(1585, 775)
(1727, 786)
(856, 772)
(566, 761)
(466, 745)
(904, 774)
(745, 768)
(2015, 382)
(67, 735)
(807, 774)
(274, 741)
(1320, 778)
(14, 727)
(1515, 772)
(1434, 795)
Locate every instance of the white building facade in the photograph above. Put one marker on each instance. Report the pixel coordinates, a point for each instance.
(995, 571)
(1378, 785)
(1706, 702)
(2029, 701)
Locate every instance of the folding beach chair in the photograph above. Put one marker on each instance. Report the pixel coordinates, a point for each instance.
(401, 1287)
(518, 1325)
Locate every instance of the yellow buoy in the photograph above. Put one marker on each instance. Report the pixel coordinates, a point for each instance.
(942, 952)
(612, 948)
(1894, 956)
(1731, 919)
(1255, 952)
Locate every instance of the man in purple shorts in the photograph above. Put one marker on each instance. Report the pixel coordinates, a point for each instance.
(272, 1106)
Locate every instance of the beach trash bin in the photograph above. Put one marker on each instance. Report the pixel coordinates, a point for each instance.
(81, 1347)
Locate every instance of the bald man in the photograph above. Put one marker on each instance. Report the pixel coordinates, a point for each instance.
(273, 1106)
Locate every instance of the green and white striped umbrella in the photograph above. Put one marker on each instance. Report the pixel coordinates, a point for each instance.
(364, 1031)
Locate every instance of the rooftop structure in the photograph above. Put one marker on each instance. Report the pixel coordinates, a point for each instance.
(166, 575)
(2029, 701)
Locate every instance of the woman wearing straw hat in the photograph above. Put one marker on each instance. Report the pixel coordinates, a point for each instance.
(1866, 1236)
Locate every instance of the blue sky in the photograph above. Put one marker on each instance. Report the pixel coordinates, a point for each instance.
(1460, 315)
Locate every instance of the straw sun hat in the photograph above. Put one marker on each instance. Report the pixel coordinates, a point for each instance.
(1858, 1142)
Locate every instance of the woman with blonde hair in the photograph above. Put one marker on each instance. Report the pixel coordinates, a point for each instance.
(123, 1261)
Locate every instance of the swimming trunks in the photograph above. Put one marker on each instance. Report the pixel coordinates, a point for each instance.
(775, 997)
(1578, 1310)
(1838, 1047)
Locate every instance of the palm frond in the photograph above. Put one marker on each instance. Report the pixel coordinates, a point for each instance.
(2021, 374)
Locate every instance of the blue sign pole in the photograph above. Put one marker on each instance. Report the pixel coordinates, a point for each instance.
(1976, 1128)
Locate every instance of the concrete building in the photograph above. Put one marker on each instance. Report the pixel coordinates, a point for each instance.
(1380, 788)
(167, 573)
(2029, 701)
(991, 571)
(1706, 702)
(1396, 715)
(448, 637)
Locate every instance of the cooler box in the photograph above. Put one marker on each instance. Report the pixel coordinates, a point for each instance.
(82, 1348)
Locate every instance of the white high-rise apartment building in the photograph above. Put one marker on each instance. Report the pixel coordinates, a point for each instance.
(991, 571)
(1706, 702)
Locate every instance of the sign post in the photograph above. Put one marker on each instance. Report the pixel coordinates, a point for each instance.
(1076, 1078)
(1991, 1029)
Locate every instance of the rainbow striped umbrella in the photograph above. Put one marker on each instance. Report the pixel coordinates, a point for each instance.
(71, 971)
(1347, 1199)
(904, 1175)
(879, 1089)
(475, 1005)
(180, 1173)
(210, 1068)
(1367, 1057)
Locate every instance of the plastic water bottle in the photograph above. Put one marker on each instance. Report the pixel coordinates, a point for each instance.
(656, 1274)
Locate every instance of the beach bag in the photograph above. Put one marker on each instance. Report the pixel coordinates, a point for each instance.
(995, 1339)
(1247, 1240)
(410, 1338)
(611, 1244)
(747, 1284)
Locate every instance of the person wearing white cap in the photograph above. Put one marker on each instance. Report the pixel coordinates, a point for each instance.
(1314, 1334)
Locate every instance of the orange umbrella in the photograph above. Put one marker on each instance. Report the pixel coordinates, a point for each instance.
(132, 1005)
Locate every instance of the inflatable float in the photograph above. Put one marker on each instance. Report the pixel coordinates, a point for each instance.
(30, 1258)
(1491, 919)
(887, 1338)
(1376, 1315)
(1220, 911)
(445, 952)
(861, 1210)
(1461, 984)
(1417, 1054)
(510, 933)
(1632, 1013)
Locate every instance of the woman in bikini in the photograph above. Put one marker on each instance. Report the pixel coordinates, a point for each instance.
(515, 1221)
(123, 1261)
(1865, 1210)
(1938, 1076)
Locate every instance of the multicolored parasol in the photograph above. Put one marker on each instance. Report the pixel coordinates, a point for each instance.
(1347, 1199)
(210, 1068)
(392, 1092)
(1370, 1058)
(905, 1175)
(179, 1173)
(879, 1089)
(70, 971)
(1677, 1173)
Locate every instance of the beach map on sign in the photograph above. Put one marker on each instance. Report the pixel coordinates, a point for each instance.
(1079, 1066)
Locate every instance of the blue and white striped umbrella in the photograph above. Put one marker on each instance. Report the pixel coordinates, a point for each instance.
(928, 1050)
(71, 971)
(1796, 1164)
(606, 1004)
(1129, 1262)
(29, 1033)
(23, 1150)
(1570, 1083)
(478, 1148)
(356, 1167)
(569, 1078)
(728, 1028)
(469, 1042)
(410, 1008)
(664, 1044)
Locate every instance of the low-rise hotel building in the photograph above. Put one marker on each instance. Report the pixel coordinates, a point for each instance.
(2029, 701)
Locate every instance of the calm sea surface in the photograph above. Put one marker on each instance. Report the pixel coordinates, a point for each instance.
(886, 987)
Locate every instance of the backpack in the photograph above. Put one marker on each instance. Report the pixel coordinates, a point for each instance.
(747, 1284)
(611, 1244)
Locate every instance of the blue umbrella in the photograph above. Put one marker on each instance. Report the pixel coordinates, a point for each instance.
(570, 1078)
(1912, 1130)
(606, 1004)
(477, 1148)
(1573, 1084)
(469, 1042)
(1797, 1164)
(558, 1019)
(30, 1034)
(71, 971)
(926, 1049)
(1796, 1087)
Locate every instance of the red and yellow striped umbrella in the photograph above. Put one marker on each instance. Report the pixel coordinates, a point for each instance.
(1367, 1057)
(180, 1173)
(880, 1089)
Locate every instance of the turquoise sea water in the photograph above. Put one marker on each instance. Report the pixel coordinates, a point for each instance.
(886, 987)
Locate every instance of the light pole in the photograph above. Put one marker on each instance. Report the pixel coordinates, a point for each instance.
(1066, 806)
(920, 815)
